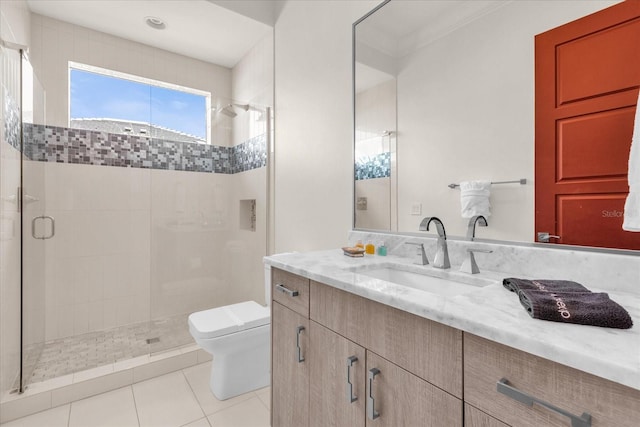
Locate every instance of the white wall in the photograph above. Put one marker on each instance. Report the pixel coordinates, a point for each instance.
(54, 43)
(313, 126)
(15, 28)
(466, 112)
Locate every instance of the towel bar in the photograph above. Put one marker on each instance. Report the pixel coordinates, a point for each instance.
(521, 181)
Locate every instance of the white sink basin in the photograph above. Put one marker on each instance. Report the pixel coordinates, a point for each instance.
(427, 278)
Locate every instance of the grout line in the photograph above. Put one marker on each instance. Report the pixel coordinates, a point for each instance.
(193, 393)
(69, 416)
(135, 404)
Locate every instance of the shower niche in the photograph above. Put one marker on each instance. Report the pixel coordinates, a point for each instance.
(248, 215)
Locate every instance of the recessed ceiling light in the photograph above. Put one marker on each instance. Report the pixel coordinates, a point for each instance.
(155, 22)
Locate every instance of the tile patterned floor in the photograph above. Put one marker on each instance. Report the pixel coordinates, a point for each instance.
(78, 353)
(178, 399)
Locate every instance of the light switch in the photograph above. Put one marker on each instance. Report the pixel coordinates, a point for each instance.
(416, 209)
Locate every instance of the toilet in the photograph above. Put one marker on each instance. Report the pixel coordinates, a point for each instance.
(238, 337)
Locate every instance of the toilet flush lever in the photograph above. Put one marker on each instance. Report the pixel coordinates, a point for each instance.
(287, 291)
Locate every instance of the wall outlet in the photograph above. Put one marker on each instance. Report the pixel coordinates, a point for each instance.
(416, 209)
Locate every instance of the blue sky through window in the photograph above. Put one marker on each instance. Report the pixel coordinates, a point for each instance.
(96, 95)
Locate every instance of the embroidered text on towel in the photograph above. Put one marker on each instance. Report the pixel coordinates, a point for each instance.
(562, 307)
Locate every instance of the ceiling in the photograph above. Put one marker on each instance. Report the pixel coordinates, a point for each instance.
(219, 32)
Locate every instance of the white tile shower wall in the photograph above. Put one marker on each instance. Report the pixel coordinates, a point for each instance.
(252, 82)
(97, 265)
(54, 43)
(189, 232)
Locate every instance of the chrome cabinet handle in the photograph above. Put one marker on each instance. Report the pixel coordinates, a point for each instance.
(299, 329)
(527, 399)
(33, 227)
(284, 290)
(371, 411)
(350, 361)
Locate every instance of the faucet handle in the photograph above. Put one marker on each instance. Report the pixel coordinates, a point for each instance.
(421, 254)
(469, 265)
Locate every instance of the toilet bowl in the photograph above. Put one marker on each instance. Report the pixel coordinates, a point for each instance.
(238, 338)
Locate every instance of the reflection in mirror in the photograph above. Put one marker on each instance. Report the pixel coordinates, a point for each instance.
(374, 156)
(459, 79)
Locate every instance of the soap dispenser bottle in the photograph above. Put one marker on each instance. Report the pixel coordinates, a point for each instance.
(382, 249)
(370, 248)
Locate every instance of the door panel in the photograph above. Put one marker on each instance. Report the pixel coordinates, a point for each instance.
(331, 398)
(586, 145)
(290, 376)
(598, 64)
(587, 80)
(403, 400)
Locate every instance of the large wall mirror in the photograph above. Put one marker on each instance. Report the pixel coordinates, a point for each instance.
(444, 93)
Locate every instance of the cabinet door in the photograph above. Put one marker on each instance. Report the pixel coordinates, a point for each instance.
(428, 349)
(337, 381)
(397, 398)
(290, 368)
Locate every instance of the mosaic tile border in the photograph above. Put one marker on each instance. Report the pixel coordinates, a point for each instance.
(375, 167)
(67, 145)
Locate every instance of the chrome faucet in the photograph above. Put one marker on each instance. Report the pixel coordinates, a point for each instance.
(421, 256)
(441, 259)
(471, 228)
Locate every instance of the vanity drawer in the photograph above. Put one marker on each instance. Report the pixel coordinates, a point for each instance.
(290, 290)
(571, 390)
(427, 349)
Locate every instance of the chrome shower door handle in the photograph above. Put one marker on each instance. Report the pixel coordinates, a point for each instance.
(371, 410)
(299, 329)
(503, 387)
(350, 361)
(43, 217)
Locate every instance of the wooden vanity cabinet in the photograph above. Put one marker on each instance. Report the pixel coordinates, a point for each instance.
(402, 353)
(366, 364)
(290, 346)
(576, 392)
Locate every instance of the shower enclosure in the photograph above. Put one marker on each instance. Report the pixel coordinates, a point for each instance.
(110, 240)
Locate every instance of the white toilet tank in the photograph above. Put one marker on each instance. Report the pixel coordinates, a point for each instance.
(267, 284)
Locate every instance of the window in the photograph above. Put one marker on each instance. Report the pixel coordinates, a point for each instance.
(115, 102)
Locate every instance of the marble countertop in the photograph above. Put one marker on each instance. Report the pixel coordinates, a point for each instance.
(491, 312)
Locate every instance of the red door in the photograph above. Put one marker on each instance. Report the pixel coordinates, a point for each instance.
(587, 81)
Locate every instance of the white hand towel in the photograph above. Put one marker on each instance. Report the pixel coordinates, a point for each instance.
(632, 206)
(474, 198)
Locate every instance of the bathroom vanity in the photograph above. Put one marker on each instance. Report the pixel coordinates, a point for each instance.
(349, 349)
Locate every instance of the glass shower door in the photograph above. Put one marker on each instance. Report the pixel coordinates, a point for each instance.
(37, 226)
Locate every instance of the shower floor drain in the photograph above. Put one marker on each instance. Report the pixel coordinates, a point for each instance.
(153, 340)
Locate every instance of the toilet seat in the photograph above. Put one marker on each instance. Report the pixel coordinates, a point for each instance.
(227, 320)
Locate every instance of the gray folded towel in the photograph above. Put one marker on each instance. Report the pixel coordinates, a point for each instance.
(514, 285)
(585, 308)
(569, 302)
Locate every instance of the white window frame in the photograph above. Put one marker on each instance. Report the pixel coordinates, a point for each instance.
(138, 79)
